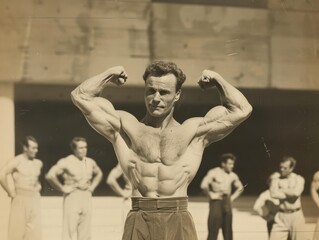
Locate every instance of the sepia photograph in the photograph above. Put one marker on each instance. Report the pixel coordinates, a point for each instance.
(159, 120)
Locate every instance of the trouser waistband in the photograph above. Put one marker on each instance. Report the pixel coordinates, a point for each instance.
(149, 204)
(289, 210)
(26, 193)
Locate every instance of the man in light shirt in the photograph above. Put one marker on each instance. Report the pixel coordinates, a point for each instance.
(25, 212)
(81, 176)
(287, 187)
(218, 184)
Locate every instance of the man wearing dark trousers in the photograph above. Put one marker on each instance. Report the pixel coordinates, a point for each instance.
(218, 184)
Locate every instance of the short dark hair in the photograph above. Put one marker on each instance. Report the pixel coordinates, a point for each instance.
(75, 140)
(224, 157)
(290, 159)
(162, 68)
(26, 139)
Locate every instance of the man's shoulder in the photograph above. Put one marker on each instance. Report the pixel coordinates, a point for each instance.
(38, 162)
(91, 160)
(66, 159)
(126, 116)
(234, 175)
(275, 175)
(297, 176)
(214, 170)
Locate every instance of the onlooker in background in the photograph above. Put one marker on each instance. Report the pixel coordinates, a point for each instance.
(267, 207)
(125, 192)
(315, 197)
(287, 187)
(218, 185)
(81, 176)
(25, 212)
(112, 181)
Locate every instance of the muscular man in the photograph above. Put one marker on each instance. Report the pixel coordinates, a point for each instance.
(25, 212)
(315, 197)
(112, 181)
(81, 176)
(159, 155)
(218, 185)
(287, 187)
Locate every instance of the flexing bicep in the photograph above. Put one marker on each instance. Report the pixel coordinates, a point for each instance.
(218, 123)
(100, 114)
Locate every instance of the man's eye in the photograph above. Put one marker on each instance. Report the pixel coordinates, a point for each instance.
(150, 91)
(164, 92)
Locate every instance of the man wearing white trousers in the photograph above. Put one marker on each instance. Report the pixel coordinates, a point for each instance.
(25, 212)
(81, 175)
(287, 187)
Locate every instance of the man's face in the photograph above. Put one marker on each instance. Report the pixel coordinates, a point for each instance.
(285, 169)
(228, 166)
(31, 150)
(80, 150)
(160, 94)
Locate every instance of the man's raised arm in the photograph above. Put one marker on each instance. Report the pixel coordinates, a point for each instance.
(222, 119)
(98, 111)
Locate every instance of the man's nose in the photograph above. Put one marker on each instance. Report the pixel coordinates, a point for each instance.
(157, 97)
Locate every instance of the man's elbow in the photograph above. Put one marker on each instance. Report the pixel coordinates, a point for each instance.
(75, 96)
(49, 177)
(246, 111)
(110, 181)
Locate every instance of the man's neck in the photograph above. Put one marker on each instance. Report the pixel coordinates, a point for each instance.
(27, 157)
(78, 158)
(159, 122)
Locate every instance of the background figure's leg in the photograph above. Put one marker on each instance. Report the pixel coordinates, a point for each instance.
(215, 219)
(84, 227)
(279, 230)
(34, 229)
(71, 215)
(17, 219)
(316, 232)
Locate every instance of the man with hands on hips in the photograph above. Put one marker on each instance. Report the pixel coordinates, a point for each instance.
(80, 175)
(159, 155)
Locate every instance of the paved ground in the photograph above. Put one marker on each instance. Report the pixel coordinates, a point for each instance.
(109, 215)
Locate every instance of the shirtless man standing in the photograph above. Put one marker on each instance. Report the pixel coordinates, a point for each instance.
(218, 184)
(81, 176)
(112, 181)
(315, 197)
(25, 213)
(159, 155)
(287, 187)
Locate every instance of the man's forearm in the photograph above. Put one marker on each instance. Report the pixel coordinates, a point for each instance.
(96, 180)
(236, 194)
(277, 194)
(93, 86)
(54, 182)
(231, 98)
(6, 187)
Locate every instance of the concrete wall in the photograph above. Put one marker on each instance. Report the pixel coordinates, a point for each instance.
(272, 45)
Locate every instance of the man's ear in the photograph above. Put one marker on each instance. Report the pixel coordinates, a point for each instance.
(177, 95)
